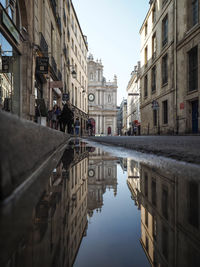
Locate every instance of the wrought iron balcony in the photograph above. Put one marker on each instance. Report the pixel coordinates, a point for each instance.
(59, 23)
(43, 43)
(53, 64)
(64, 16)
(65, 52)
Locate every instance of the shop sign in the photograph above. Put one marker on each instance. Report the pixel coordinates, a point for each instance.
(10, 26)
(181, 105)
(65, 97)
(42, 64)
(56, 84)
(5, 64)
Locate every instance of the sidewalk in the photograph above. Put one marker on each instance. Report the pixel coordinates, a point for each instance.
(185, 148)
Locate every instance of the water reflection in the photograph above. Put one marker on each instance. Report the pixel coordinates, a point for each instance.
(59, 220)
(102, 175)
(170, 213)
(167, 207)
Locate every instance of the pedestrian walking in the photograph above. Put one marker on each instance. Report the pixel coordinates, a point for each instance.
(66, 119)
(77, 126)
(54, 117)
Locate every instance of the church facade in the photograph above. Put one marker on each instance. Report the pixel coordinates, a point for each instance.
(102, 100)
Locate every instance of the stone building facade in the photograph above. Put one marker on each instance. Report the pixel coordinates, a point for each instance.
(169, 68)
(45, 45)
(133, 101)
(102, 98)
(16, 34)
(187, 62)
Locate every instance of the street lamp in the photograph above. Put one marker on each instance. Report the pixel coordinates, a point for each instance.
(74, 74)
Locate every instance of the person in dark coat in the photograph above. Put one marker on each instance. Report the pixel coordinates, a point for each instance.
(66, 118)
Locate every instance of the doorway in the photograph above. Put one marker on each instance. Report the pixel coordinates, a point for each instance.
(109, 130)
(195, 116)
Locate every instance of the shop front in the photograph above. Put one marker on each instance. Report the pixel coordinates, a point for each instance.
(10, 76)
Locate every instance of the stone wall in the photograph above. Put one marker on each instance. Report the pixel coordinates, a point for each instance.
(24, 146)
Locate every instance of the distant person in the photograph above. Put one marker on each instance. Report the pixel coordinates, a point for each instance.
(77, 126)
(66, 118)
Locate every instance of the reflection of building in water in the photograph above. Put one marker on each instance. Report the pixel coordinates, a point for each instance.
(133, 180)
(60, 216)
(170, 219)
(77, 217)
(102, 174)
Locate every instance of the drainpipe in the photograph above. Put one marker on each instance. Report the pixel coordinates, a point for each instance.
(175, 68)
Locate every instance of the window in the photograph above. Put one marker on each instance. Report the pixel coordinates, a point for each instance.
(146, 29)
(72, 44)
(75, 50)
(153, 184)
(165, 31)
(165, 69)
(193, 69)
(99, 75)
(165, 202)
(72, 94)
(145, 86)
(154, 227)
(146, 185)
(146, 217)
(165, 111)
(91, 76)
(165, 242)
(195, 13)
(75, 96)
(154, 14)
(153, 79)
(145, 55)
(154, 46)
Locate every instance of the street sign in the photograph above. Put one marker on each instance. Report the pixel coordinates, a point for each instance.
(42, 64)
(155, 105)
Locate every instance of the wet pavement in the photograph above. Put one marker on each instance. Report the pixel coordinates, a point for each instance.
(106, 206)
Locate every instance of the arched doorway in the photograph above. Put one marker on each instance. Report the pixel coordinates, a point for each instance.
(109, 130)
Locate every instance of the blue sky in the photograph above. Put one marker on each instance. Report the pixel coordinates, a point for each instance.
(112, 28)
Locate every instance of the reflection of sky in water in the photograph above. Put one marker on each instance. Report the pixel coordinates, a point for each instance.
(113, 235)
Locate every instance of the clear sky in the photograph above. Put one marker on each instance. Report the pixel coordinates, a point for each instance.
(112, 28)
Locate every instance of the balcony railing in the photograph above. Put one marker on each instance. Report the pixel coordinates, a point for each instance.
(53, 64)
(65, 52)
(59, 23)
(64, 16)
(43, 43)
